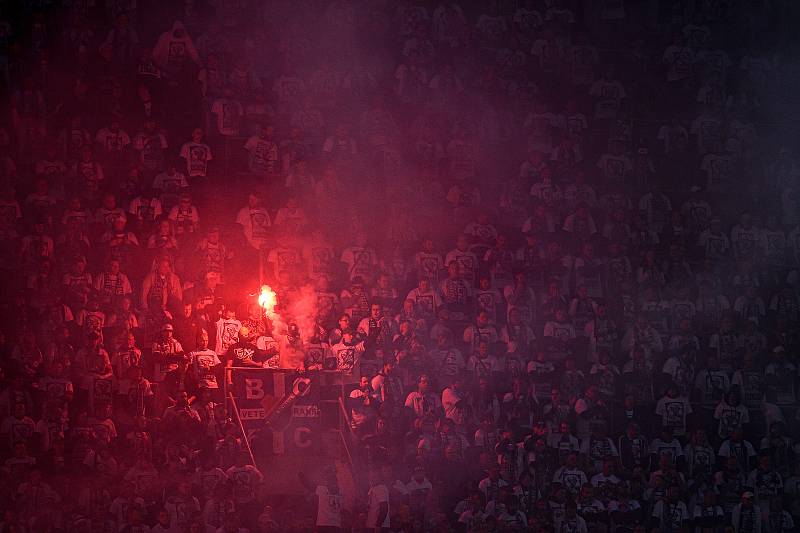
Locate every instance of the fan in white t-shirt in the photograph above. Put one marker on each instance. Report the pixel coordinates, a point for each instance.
(329, 498)
(254, 220)
(112, 139)
(204, 363)
(197, 154)
(377, 502)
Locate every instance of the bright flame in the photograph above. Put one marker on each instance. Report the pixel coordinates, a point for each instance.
(267, 299)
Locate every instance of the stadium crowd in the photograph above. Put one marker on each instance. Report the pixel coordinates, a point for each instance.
(552, 245)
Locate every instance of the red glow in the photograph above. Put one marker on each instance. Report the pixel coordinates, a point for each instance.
(267, 299)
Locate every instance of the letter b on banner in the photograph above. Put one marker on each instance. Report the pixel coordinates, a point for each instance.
(258, 391)
(254, 388)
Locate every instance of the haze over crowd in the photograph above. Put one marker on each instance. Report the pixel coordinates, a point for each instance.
(550, 248)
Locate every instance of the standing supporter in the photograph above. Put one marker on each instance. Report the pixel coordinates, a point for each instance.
(196, 154)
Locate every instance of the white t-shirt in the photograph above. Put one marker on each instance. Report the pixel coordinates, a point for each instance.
(112, 141)
(673, 412)
(229, 114)
(608, 94)
(184, 220)
(671, 515)
(614, 167)
(204, 362)
(264, 157)
(730, 418)
(422, 404)
(146, 209)
(418, 489)
(170, 184)
(742, 450)
(197, 156)
(359, 260)
(255, 222)
(571, 478)
(376, 496)
(329, 510)
(717, 168)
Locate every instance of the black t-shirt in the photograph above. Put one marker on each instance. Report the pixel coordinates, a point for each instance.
(244, 352)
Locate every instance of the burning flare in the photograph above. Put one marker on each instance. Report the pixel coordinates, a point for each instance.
(267, 300)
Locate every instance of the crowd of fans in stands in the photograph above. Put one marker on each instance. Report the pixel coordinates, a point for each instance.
(551, 245)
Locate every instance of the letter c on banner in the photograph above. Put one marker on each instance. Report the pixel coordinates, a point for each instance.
(254, 388)
(301, 437)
